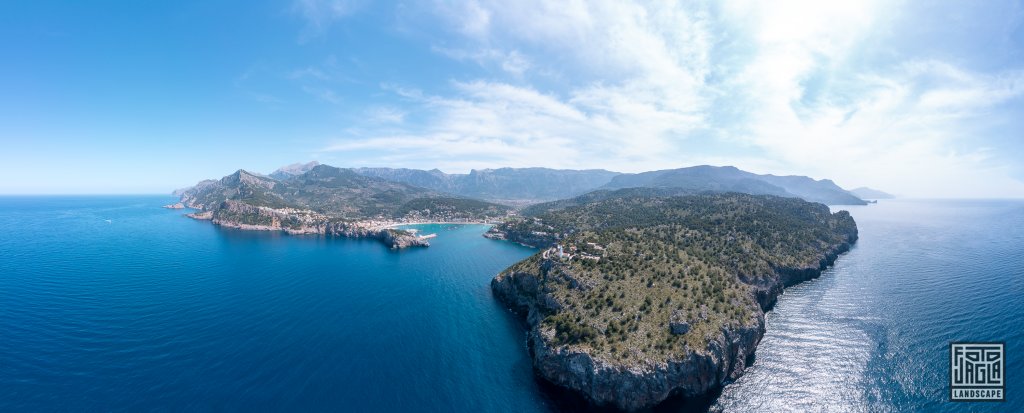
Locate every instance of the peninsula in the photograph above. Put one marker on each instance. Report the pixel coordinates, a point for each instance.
(635, 298)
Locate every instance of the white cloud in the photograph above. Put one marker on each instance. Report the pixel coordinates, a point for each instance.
(773, 87)
(901, 128)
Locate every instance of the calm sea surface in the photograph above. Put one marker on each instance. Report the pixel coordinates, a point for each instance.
(112, 303)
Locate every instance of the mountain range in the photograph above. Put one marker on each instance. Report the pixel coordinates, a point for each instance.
(518, 186)
(362, 192)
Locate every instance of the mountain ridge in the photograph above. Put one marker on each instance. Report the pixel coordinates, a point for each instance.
(731, 179)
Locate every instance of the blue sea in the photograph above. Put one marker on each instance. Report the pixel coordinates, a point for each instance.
(111, 303)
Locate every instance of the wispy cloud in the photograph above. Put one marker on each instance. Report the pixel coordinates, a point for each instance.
(512, 62)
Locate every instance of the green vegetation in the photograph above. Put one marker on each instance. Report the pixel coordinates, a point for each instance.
(452, 209)
(695, 255)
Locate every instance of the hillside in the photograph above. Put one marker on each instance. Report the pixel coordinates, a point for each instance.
(637, 298)
(730, 179)
(604, 194)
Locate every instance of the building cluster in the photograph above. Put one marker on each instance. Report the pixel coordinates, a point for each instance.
(592, 251)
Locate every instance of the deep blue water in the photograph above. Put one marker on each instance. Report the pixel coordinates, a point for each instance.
(154, 311)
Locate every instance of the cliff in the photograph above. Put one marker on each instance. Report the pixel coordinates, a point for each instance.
(637, 306)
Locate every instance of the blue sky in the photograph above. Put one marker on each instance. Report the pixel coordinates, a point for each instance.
(917, 98)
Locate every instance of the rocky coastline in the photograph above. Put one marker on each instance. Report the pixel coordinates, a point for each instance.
(239, 215)
(641, 384)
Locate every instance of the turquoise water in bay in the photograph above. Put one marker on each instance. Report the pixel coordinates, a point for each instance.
(110, 303)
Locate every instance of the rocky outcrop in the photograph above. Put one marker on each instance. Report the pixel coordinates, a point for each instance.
(639, 386)
(628, 387)
(678, 323)
(394, 238)
(178, 205)
(202, 216)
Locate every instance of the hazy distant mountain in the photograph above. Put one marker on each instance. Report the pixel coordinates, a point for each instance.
(504, 184)
(732, 179)
(868, 193)
(294, 169)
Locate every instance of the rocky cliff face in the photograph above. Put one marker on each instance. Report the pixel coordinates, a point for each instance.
(626, 386)
(643, 385)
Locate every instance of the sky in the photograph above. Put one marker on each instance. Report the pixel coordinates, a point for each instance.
(921, 99)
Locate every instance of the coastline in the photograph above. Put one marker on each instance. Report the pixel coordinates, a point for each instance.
(403, 224)
(309, 223)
